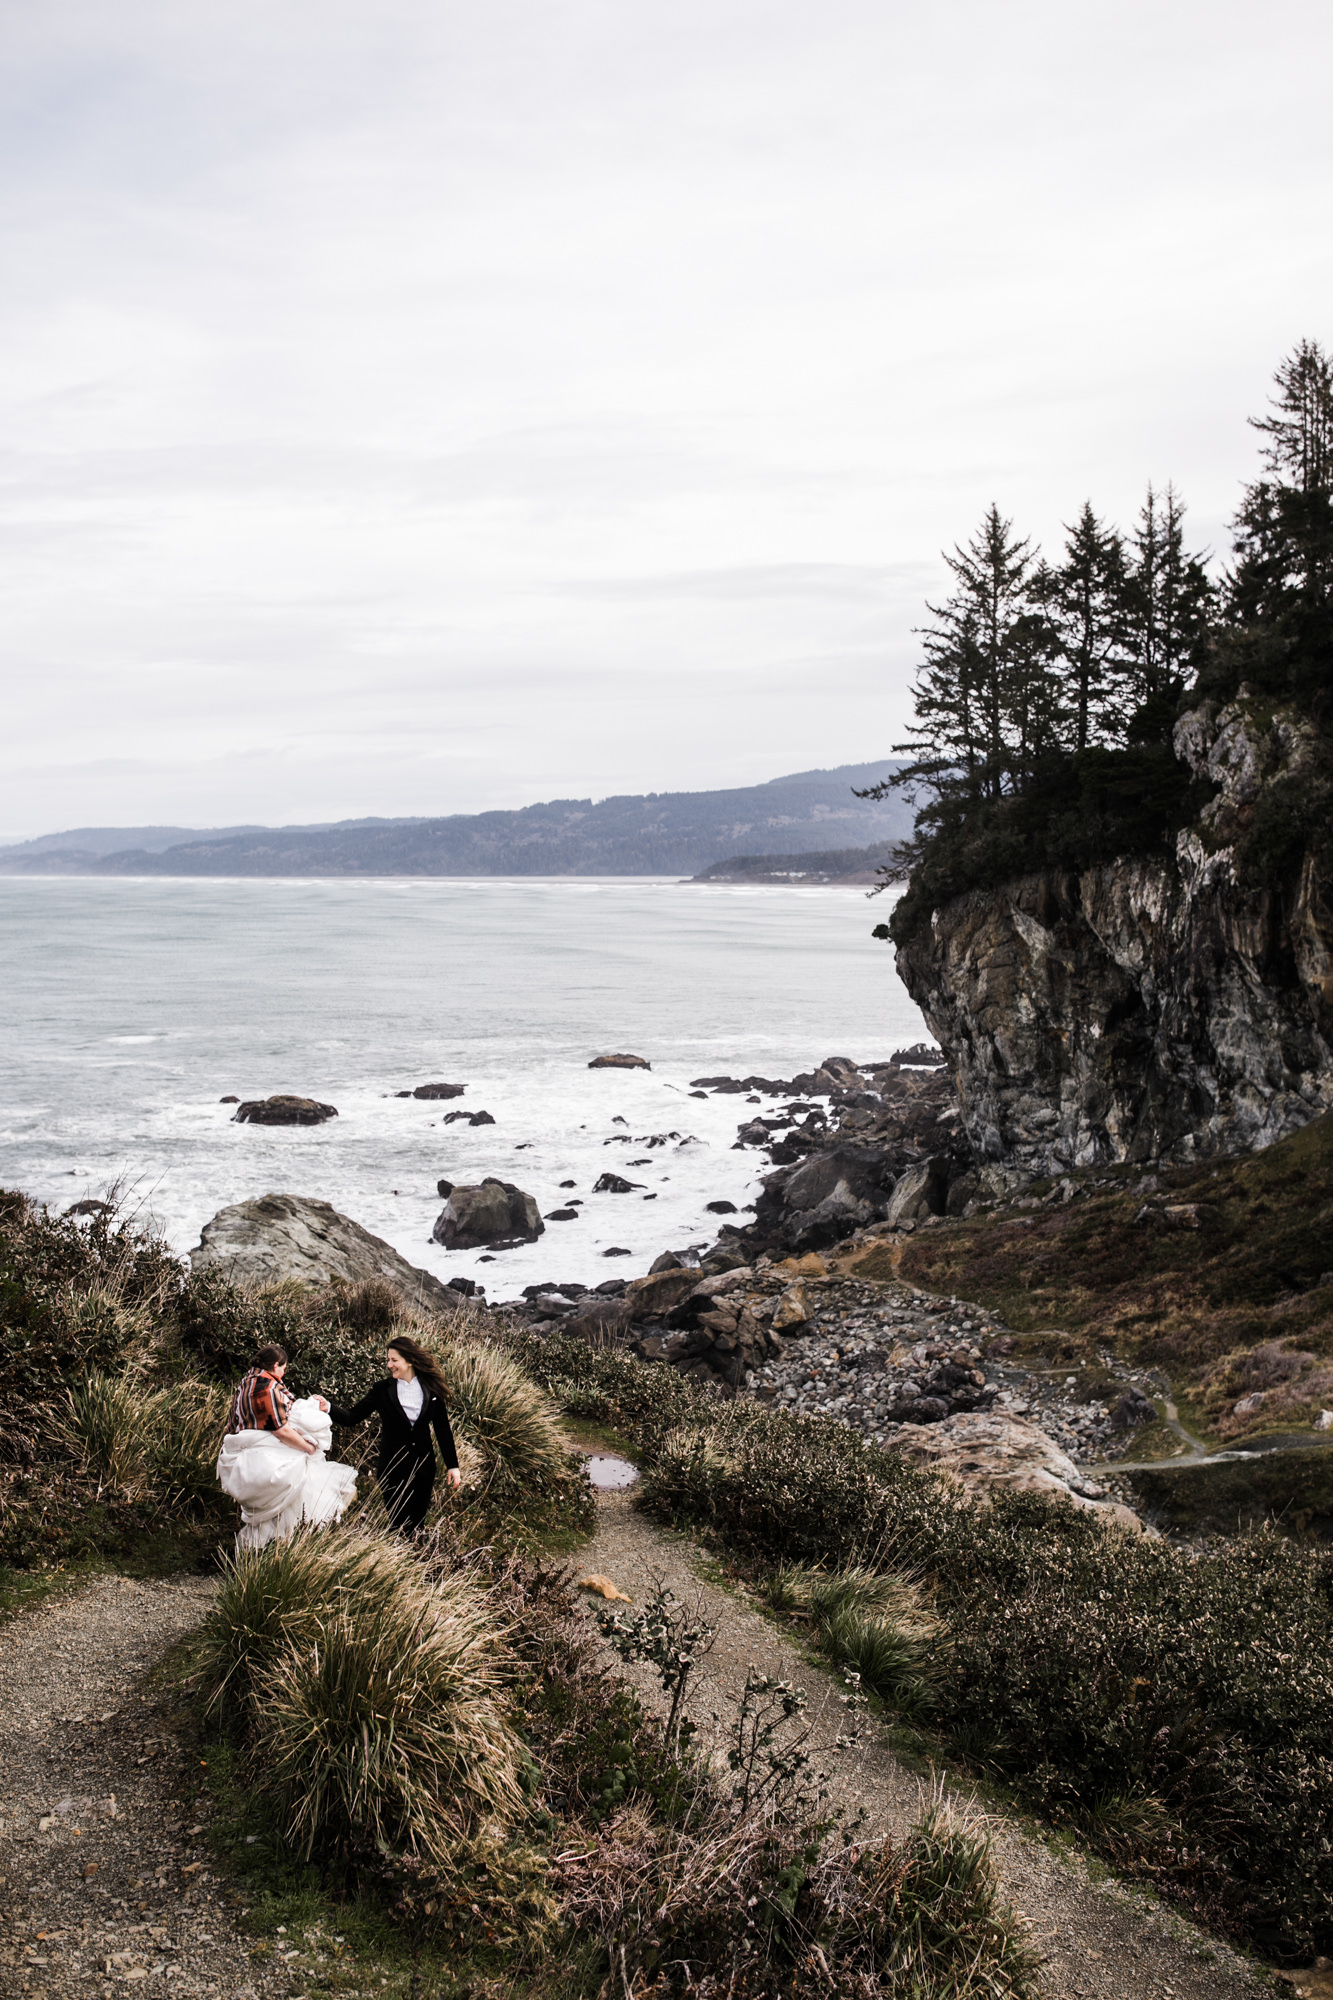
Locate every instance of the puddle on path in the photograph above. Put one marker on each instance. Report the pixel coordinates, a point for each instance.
(606, 1472)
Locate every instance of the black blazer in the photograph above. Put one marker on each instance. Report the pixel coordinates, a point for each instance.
(403, 1446)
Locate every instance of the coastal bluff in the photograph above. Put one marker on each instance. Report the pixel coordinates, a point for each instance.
(1169, 1007)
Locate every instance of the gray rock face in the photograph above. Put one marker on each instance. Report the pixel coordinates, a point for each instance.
(619, 1062)
(494, 1212)
(1142, 1008)
(283, 1236)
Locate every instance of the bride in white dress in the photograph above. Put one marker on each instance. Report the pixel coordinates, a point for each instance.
(279, 1485)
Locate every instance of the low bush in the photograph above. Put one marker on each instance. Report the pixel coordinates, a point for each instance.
(1076, 1661)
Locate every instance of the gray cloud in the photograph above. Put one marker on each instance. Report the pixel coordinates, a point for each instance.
(425, 407)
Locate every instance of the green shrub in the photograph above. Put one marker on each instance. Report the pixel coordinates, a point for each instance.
(75, 1294)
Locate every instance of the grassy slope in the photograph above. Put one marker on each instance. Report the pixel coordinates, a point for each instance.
(1230, 1307)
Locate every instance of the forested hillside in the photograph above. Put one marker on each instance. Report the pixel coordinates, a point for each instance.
(662, 833)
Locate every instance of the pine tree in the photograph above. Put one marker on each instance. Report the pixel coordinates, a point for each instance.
(1168, 602)
(981, 701)
(1284, 528)
(1089, 606)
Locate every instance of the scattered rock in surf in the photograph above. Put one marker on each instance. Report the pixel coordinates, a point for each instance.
(433, 1090)
(699, 1093)
(565, 1184)
(495, 1213)
(921, 1055)
(471, 1118)
(720, 1207)
(90, 1208)
(563, 1215)
(614, 1184)
(283, 1110)
(229, 1100)
(468, 1288)
(617, 1251)
(444, 1189)
(619, 1062)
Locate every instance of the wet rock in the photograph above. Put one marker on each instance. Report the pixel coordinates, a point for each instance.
(835, 1192)
(619, 1062)
(562, 1215)
(615, 1184)
(921, 1054)
(229, 1100)
(469, 1117)
(280, 1236)
(283, 1110)
(434, 1090)
(617, 1250)
(720, 1207)
(495, 1211)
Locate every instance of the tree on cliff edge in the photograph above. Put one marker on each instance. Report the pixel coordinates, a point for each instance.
(1280, 590)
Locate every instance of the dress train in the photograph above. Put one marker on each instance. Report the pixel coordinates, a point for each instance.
(278, 1487)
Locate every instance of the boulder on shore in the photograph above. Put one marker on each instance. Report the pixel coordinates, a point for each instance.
(283, 1110)
(983, 1449)
(494, 1212)
(434, 1090)
(288, 1236)
(619, 1062)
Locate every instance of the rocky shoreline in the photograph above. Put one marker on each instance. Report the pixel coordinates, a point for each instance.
(862, 1156)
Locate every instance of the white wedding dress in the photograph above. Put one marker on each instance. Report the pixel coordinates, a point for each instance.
(277, 1486)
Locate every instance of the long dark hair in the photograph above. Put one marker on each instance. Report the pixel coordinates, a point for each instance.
(423, 1364)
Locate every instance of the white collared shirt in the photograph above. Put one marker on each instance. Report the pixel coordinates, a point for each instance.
(411, 1395)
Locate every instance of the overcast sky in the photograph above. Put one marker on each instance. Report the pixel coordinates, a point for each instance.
(415, 406)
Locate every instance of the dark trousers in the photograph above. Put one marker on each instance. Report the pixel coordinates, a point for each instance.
(407, 1490)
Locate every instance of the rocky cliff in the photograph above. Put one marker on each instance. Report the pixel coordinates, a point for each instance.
(1149, 1007)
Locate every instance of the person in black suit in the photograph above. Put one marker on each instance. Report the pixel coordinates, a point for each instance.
(411, 1404)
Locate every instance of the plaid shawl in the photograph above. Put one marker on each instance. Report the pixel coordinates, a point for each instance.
(260, 1403)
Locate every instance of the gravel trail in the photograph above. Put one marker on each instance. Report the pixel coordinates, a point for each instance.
(105, 1887)
(1099, 1941)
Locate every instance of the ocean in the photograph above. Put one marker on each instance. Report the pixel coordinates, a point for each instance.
(131, 1007)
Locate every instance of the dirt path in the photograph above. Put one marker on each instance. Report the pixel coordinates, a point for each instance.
(104, 1886)
(1100, 1941)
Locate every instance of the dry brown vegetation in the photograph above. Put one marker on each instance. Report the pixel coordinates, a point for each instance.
(1232, 1305)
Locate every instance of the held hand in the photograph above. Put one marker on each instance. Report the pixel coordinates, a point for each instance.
(323, 1402)
(454, 1477)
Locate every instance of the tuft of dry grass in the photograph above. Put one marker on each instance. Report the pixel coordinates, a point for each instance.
(736, 1899)
(369, 1691)
(502, 1413)
(145, 1443)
